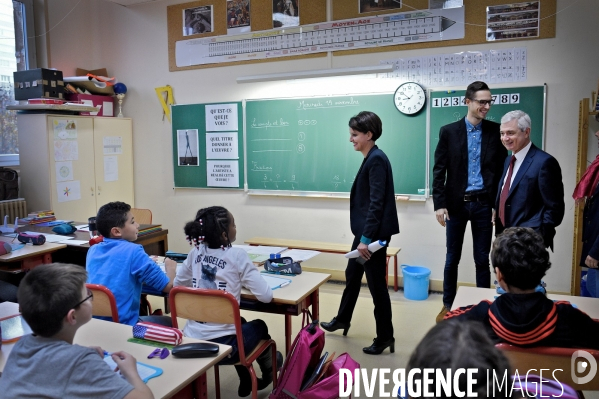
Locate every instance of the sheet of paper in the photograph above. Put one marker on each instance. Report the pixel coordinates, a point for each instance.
(112, 145)
(51, 237)
(108, 108)
(74, 242)
(221, 118)
(68, 191)
(245, 247)
(223, 173)
(300, 255)
(263, 249)
(66, 150)
(83, 227)
(64, 171)
(111, 168)
(275, 282)
(222, 146)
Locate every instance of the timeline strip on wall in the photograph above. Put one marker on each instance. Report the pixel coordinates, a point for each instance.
(366, 32)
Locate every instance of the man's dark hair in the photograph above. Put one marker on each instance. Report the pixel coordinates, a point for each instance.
(47, 293)
(208, 227)
(453, 344)
(113, 214)
(365, 122)
(474, 87)
(520, 254)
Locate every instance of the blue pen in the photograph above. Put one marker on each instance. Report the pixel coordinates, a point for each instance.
(106, 353)
(286, 283)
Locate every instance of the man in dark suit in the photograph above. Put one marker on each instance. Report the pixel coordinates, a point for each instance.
(468, 162)
(530, 192)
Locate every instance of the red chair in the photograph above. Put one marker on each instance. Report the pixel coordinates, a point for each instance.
(215, 306)
(555, 360)
(104, 304)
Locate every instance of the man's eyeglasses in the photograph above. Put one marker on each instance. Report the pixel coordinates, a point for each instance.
(482, 103)
(90, 295)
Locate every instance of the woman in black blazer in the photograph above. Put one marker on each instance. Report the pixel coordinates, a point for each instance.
(373, 216)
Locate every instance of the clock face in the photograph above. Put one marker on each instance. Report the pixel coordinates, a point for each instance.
(409, 98)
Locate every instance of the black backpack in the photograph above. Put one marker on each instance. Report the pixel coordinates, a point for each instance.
(9, 184)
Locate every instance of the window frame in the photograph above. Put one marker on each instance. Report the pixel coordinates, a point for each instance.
(14, 159)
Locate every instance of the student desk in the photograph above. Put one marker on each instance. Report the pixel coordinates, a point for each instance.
(154, 243)
(112, 337)
(290, 300)
(27, 257)
(328, 247)
(473, 295)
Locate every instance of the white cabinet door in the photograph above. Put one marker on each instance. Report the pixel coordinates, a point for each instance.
(72, 180)
(113, 160)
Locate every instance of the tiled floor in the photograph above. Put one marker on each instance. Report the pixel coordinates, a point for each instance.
(411, 321)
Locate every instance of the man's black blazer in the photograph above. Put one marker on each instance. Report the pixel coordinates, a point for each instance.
(372, 210)
(536, 196)
(450, 173)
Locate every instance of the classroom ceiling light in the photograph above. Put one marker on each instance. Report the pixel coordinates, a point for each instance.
(323, 73)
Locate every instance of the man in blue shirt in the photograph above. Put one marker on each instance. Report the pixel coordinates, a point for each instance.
(468, 164)
(123, 267)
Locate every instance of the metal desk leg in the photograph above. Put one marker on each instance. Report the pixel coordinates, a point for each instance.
(287, 333)
(395, 273)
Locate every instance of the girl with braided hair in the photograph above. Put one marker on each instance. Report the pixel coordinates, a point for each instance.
(213, 263)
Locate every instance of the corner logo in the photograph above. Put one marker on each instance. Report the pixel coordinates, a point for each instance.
(579, 367)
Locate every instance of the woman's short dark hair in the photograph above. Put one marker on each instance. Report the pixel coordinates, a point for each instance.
(520, 254)
(453, 344)
(474, 87)
(47, 293)
(367, 121)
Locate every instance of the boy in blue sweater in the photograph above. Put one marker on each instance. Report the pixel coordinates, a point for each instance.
(123, 266)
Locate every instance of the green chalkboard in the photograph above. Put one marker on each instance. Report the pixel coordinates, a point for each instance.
(208, 145)
(301, 145)
(449, 106)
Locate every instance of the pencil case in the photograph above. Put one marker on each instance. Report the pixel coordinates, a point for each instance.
(198, 349)
(157, 332)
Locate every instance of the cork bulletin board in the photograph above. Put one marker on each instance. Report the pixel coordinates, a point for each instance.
(314, 11)
(310, 12)
(476, 20)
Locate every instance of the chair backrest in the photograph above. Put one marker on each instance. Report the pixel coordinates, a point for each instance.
(104, 304)
(559, 361)
(142, 216)
(210, 306)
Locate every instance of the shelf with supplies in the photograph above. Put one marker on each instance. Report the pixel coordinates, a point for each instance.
(52, 107)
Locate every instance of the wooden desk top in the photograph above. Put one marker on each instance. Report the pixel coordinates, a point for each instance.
(311, 245)
(84, 235)
(113, 337)
(28, 250)
(473, 295)
(301, 286)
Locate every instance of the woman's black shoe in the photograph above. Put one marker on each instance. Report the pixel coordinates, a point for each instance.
(378, 346)
(335, 325)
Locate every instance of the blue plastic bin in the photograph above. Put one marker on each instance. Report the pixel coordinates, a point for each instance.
(415, 282)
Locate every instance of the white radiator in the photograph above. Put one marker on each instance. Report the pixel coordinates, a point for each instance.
(13, 208)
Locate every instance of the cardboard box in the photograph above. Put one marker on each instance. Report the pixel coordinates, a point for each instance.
(106, 103)
(38, 83)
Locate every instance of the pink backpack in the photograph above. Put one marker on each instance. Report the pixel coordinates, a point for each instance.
(301, 361)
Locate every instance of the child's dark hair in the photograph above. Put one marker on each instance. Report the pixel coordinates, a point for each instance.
(520, 254)
(453, 344)
(47, 293)
(208, 227)
(365, 122)
(113, 214)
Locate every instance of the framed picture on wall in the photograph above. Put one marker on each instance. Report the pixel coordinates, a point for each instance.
(285, 13)
(378, 5)
(238, 16)
(197, 20)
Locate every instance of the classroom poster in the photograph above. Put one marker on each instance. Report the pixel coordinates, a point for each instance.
(238, 16)
(222, 173)
(111, 168)
(222, 146)
(221, 117)
(513, 21)
(64, 171)
(68, 191)
(197, 20)
(285, 13)
(187, 147)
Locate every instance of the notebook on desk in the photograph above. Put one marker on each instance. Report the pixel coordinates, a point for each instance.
(13, 328)
(145, 371)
